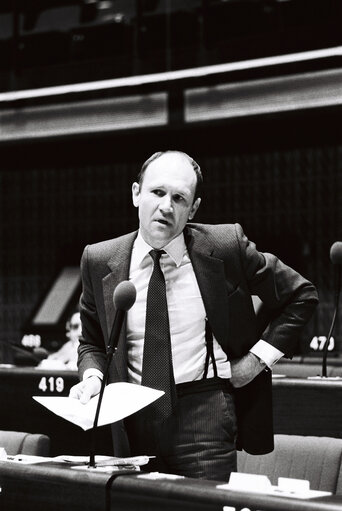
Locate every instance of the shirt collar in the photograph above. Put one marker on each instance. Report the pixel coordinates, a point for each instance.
(175, 249)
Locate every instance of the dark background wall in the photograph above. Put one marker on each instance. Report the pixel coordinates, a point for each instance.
(281, 178)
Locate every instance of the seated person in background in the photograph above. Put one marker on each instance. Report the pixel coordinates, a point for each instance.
(66, 356)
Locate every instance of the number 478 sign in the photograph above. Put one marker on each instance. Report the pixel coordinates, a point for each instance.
(318, 343)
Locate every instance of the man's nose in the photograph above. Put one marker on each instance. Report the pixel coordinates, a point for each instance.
(165, 204)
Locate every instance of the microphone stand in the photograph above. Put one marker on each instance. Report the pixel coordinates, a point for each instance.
(337, 297)
(111, 349)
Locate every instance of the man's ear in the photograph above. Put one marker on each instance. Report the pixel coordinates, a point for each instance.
(194, 208)
(136, 194)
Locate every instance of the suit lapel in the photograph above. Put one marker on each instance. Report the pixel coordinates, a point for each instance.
(212, 282)
(119, 265)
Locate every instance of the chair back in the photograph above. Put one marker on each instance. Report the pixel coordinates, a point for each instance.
(16, 442)
(317, 459)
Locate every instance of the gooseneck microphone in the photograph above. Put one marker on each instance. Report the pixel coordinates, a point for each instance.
(40, 353)
(336, 252)
(123, 297)
(336, 259)
(33, 355)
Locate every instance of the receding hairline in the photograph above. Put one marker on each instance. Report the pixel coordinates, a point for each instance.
(196, 168)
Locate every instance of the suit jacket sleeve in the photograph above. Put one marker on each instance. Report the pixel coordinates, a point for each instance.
(290, 298)
(91, 351)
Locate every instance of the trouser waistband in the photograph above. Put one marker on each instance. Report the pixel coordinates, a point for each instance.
(215, 383)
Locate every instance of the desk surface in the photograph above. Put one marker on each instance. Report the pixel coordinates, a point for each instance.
(52, 488)
(131, 493)
(308, 383)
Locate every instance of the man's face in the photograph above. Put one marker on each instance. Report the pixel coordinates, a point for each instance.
(165, 199)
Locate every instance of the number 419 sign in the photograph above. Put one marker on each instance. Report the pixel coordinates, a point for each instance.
(51, 384)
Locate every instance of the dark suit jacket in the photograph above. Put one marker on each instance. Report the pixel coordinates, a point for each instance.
(229, 270)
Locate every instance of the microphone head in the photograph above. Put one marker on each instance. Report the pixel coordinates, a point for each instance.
(336, 252)
(40, 353)
(124, 295)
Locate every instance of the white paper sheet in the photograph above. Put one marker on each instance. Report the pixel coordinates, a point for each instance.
(101, 460)
(27, 459)
(119, 401)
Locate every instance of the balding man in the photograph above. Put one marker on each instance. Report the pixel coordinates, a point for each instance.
(192, 331)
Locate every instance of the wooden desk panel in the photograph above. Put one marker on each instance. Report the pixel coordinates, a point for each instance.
(131, 493)
(307, 407)
(21, 413)
(300, 406)
(51, 487)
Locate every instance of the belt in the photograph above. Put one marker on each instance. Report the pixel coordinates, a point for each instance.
(207, 384)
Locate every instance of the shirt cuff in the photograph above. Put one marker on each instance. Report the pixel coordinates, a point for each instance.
(224, 370)
(266, 352)
(92, 372)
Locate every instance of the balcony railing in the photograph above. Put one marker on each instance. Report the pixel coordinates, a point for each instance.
(54, 42)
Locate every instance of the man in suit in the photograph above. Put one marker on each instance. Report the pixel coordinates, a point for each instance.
(218, 392)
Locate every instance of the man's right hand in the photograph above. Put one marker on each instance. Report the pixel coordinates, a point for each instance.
(86, 389)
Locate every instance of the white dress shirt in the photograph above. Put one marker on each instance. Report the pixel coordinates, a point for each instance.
(186, 317)
(186, 314)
